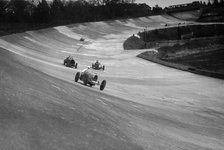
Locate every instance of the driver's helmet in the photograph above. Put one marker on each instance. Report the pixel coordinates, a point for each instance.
(88, 67)
(97, 61)
(70, 57)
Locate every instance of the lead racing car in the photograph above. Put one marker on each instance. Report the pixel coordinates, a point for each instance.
(70, 62)
(89, 78)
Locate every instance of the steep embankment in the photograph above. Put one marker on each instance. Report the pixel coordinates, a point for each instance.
(187, 15)
(144, 105)
(196, 48)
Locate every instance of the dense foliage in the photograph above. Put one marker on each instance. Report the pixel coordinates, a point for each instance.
(196, 5)
(63, 11)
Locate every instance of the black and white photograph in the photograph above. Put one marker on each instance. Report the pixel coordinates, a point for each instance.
(111, 74)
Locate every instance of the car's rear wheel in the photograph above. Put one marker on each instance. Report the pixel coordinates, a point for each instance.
(103, 67)
(76, 65)
(103, 85)
(77, 76)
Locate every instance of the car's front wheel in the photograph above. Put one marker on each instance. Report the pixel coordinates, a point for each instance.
(77, 76)
(103, 85)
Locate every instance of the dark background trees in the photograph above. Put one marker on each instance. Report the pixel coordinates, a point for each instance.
(60, 11)
(2, 9)
(45, 13)
(22, 15)
(41, 12)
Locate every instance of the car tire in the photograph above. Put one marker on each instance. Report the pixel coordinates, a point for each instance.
(103, 67)
(103, 85)
(77, 76)
(76, 65)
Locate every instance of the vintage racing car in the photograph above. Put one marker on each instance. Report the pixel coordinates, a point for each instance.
(82, 39)
(98, 66)
(70, 62)
(89, 78)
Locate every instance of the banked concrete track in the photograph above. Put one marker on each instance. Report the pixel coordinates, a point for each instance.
(144, 105)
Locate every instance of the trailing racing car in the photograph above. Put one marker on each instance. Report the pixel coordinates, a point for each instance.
(98, 65)
(70, 62)
(89, 78)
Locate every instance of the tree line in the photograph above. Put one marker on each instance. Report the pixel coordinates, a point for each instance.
(196, 5)
(63, 11)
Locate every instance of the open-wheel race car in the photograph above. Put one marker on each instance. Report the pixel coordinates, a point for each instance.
(70, 62)
(98, 66)
(89, 78)
(82, 39)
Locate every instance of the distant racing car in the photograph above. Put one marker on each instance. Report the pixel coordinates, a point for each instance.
(70, 62)
(90, 78)
(82, 39)
(98, 66)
